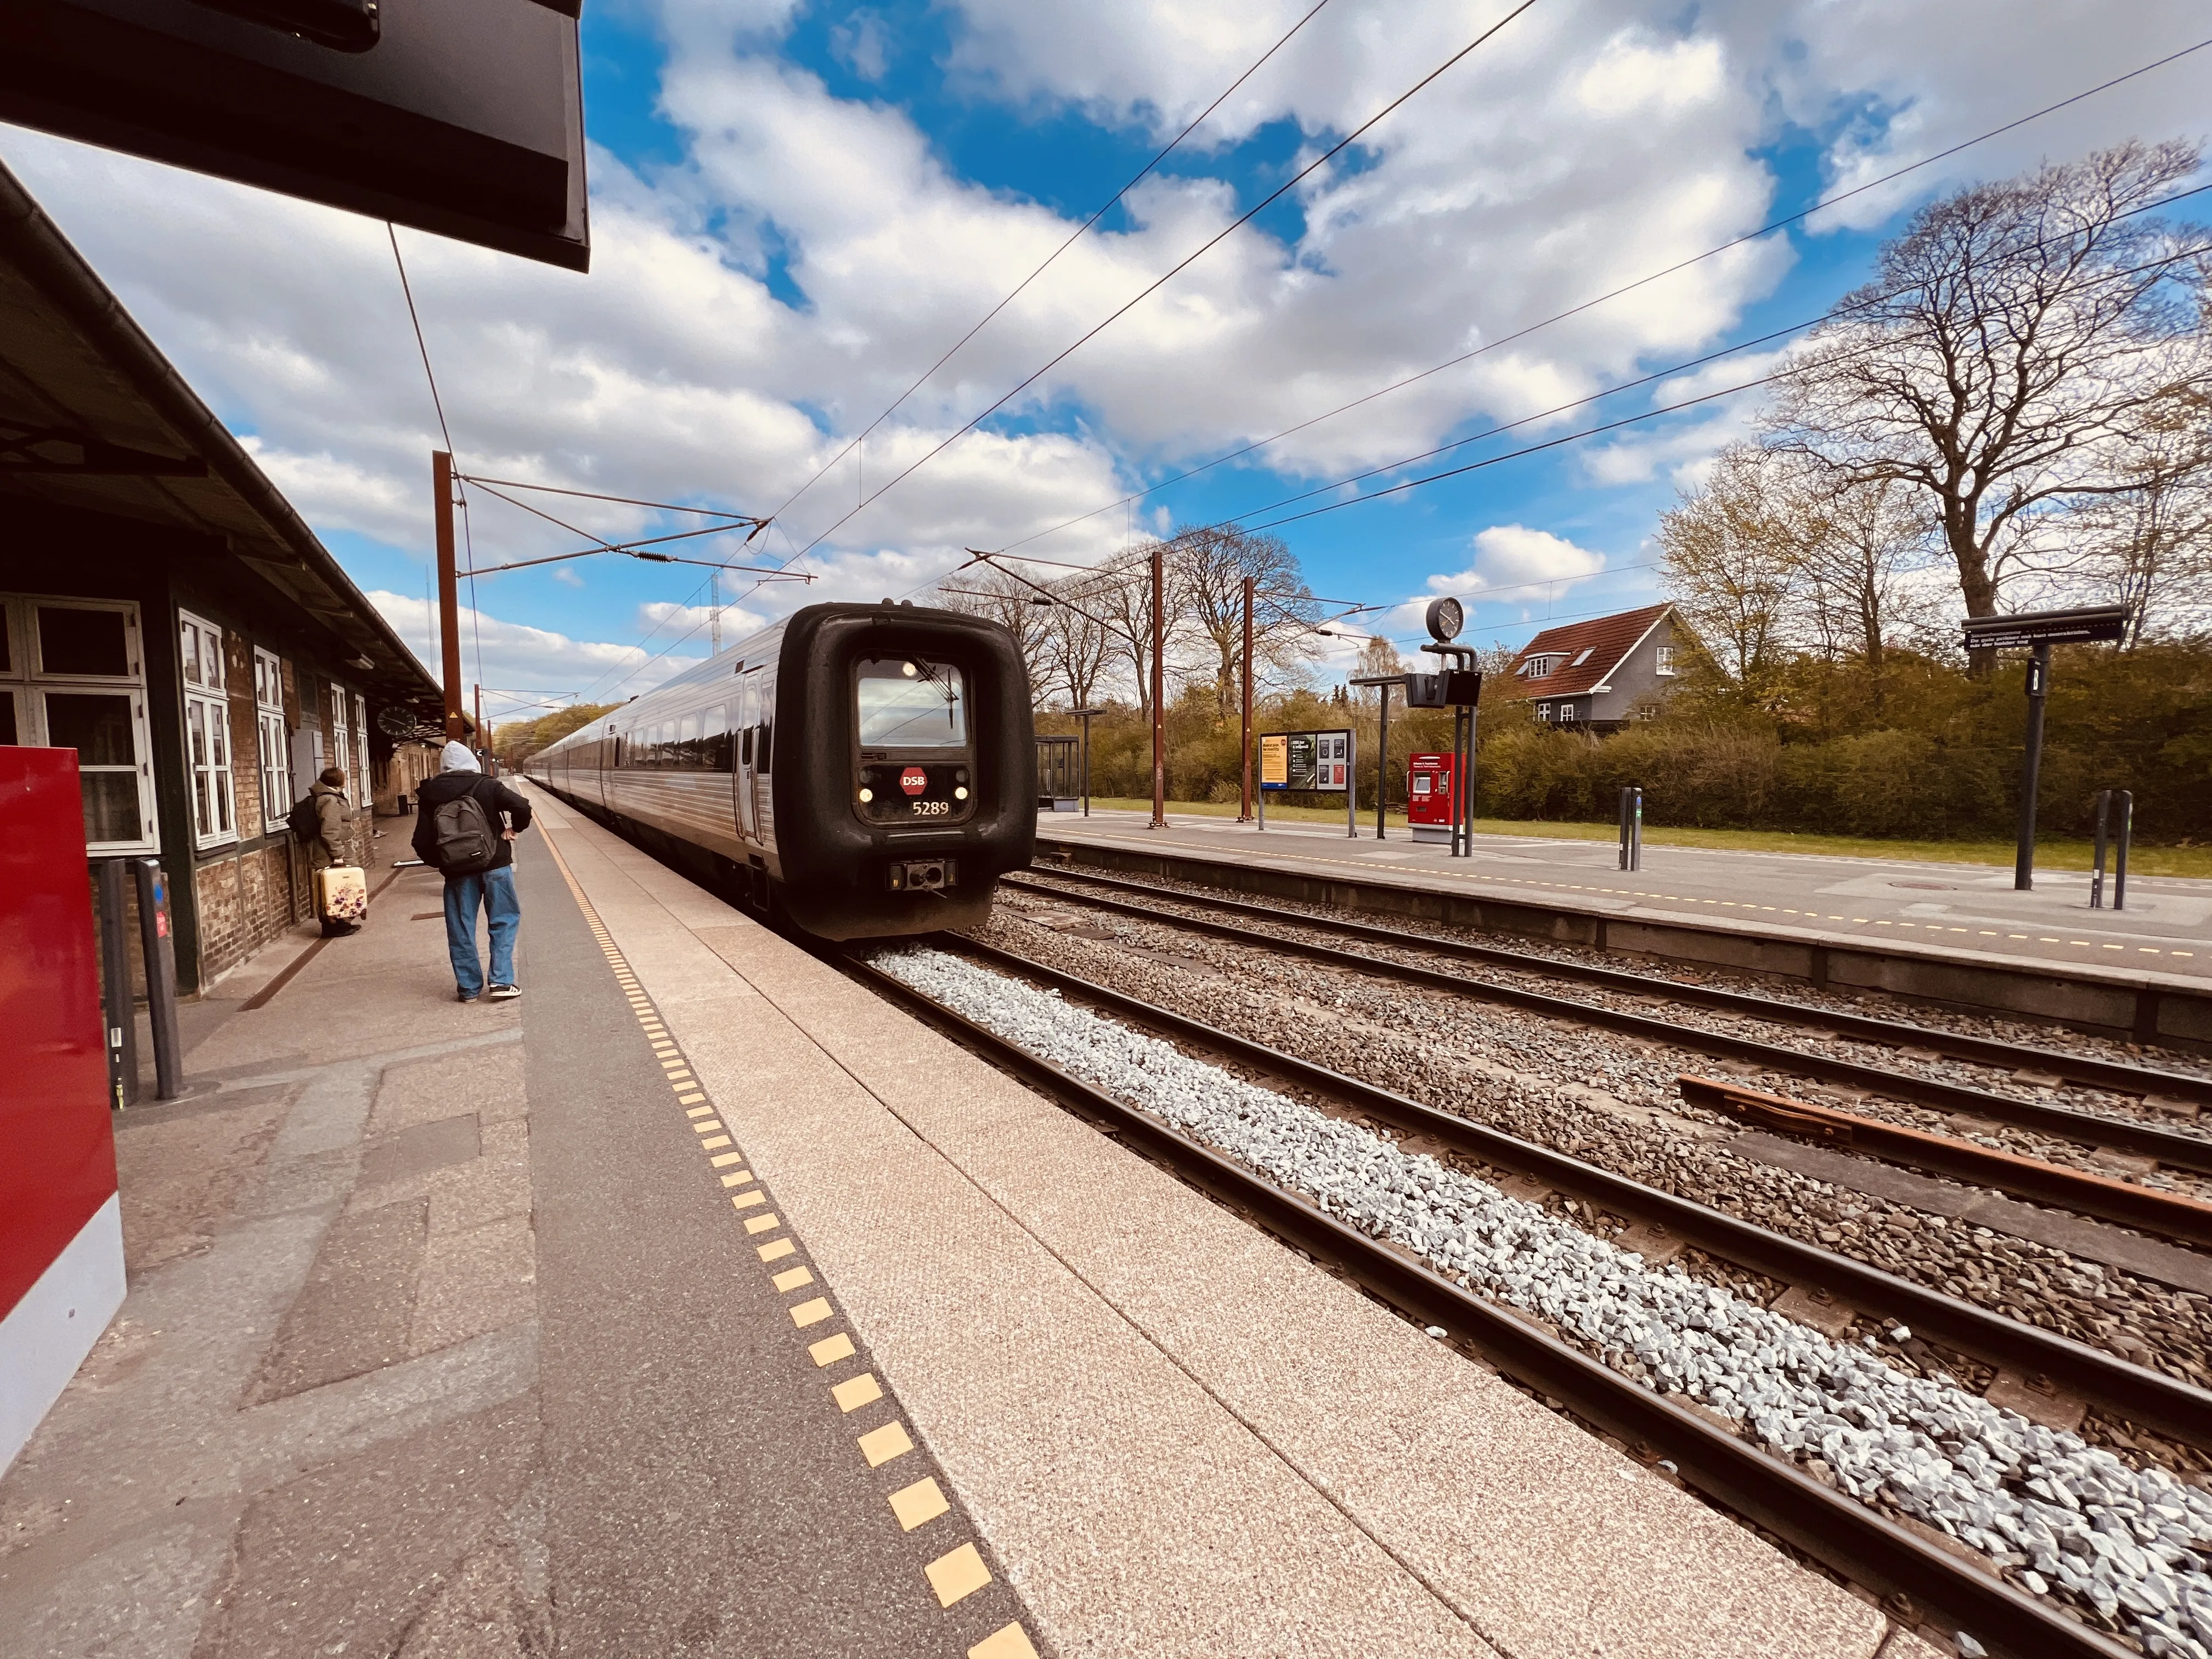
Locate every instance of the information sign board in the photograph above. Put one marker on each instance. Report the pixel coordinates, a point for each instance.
(2089, 623)
(1318, 763)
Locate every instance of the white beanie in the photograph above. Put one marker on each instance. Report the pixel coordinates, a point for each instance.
(456, 757)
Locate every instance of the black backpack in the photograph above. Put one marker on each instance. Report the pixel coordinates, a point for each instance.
(303, 820)
(464, 840)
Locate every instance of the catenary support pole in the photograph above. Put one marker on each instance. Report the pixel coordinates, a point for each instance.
(1244, 814)
(483, 738)
(449, 611)
(1159, 691)
(2038, 682)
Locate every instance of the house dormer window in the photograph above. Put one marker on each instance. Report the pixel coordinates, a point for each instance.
(1542, 664)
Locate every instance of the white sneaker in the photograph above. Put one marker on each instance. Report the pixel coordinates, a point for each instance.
(503, 992)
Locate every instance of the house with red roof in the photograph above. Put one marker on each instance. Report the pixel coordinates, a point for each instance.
(1593, 675)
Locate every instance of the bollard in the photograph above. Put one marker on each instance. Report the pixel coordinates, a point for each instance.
(2097, 863)
(1632, 827)
(2126, 801)
(122, 1020)
(160, 945)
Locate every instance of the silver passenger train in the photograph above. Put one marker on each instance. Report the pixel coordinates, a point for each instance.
(860, 770)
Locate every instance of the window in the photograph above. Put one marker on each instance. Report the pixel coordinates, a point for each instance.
(275, 744)
(72, 677)
(1544, 711)
(908, 703)
(206, 730)
(1542, 663)
(362, 790)
(1666, 660)
(1582, 656)
(715, 737)
(1566, 713)
(341, 736)
(686, 742)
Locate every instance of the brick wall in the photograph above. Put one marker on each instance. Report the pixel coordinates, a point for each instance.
(245, 734)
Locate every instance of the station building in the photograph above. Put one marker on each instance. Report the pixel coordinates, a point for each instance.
(165, 612)
(1600, 674)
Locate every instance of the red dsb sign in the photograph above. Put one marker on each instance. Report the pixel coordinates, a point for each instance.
(913, 779)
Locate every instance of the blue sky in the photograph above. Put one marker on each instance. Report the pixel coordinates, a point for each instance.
(798, 207)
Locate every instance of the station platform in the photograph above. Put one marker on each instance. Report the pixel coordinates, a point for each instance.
(2166, 930)
(700, 1302)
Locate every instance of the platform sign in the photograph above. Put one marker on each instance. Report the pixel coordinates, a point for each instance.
(1318, 763)
(2086, 625)
(464, 118)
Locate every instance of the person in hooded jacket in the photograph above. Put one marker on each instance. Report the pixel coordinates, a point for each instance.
(327, 848)
(493, 889)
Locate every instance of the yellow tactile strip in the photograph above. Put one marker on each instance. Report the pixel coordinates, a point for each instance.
(960, 1571)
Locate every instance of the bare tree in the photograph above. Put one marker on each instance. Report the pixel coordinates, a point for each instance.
(1015, 604)
(1208, 567)
(2012, 344)
(2151, 546)
(1731, 554)
(1861, 549)
(1121, 596)
(1076, 645)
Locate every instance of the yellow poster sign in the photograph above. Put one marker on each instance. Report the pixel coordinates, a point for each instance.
(1275, 762)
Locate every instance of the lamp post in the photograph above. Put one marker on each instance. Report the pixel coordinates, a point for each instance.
(1085, 714)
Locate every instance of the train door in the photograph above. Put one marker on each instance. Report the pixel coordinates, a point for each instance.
(606, 758)
(746, 720)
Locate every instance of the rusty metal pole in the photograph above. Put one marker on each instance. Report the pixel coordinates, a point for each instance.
(449, 607)
(483, 738)
(1159, 691)
(1245, 816)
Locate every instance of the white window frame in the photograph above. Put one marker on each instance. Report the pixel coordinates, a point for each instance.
(1567, 715)
(358, 771)
(1666, 661)
(276, 743)
(341, 746)
(209, 762)
(1544, 713)
(28, 683)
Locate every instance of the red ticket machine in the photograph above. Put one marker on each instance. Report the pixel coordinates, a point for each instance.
(61, 1228)
(1429, 796)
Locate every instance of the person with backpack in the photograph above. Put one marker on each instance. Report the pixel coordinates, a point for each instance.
(317, 821)
(461, 832)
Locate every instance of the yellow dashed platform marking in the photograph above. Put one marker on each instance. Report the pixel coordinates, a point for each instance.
(855, 1392)
(880, 1446)
(811, 1313)
(956, 1574)
(762, 1223)
(791, 1278)
(1007, 1641)
(714, 1141)
(777, 1251)
(737, 1178)
(830, 1349)
(746, 1201)
(919, 1504)
(707, 1126)
(700, 1111)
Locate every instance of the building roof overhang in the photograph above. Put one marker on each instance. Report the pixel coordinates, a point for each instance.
(93, 418)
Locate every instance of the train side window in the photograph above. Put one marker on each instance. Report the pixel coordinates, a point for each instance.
(746, 749)
(687, 743)
(763, 748)
(715, 739)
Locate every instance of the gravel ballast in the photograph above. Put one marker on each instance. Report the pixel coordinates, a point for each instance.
(2127, 1549)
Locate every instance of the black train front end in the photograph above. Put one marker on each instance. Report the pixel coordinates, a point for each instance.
(904, 782)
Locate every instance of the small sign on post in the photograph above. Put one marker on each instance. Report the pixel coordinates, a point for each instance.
(2038, 630)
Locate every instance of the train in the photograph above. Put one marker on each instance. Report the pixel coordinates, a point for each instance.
(857, 771)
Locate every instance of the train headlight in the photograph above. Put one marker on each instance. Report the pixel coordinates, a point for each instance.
(960, 794)
(908, 670)
(867, 795)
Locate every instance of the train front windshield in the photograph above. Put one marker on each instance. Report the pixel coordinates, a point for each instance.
(906, 703)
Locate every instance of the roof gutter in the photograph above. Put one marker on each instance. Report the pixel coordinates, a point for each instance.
(31, 239)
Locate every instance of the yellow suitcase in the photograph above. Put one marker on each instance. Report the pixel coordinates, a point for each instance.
(341, 893)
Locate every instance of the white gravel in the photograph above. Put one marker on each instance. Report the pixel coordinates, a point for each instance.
(2060, 1517)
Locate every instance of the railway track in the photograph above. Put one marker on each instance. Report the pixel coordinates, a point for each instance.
(1827, 1524)
(1916, 1576)
(2172, 1148)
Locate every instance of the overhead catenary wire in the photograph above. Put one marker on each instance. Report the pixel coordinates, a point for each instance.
(1077, 235)
(1269, 200)
(1783, 224)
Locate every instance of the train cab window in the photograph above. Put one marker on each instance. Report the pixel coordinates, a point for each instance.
(905, 702)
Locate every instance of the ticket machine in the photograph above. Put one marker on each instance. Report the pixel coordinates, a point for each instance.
(1429, 796)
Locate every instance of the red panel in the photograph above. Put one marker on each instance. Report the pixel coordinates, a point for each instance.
(1432, 803)
(57, 1145)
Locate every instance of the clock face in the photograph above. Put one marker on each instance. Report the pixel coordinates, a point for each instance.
(397, 722)
(1444, 619)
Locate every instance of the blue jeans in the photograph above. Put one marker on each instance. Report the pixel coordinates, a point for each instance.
(494, 890)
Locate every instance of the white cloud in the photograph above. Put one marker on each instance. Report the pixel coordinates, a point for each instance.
(1514, 558)
(514, 656)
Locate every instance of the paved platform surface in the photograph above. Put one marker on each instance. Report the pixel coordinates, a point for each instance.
(699, 1304)
(2166, 929)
